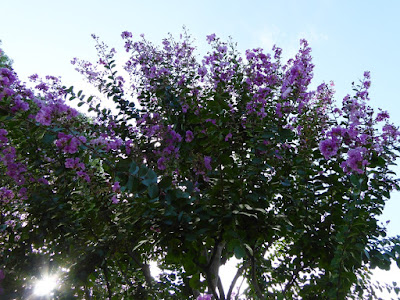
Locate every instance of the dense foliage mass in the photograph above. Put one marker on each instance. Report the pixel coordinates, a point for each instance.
(188, 164)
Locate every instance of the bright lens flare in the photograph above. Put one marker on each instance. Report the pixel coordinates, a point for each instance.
(45, 286)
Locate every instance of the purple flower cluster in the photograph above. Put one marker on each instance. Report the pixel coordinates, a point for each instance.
(74, 163)
(355, 161)
(7, 77)
(8, 85)
(262, 78)
(207, 162)
(126, 34)
(116, 187)
(221, 70)
(204, 297)
(228, 137)
(57, 109)
(357, 138)
(171, 84)
(15, 169)
(3, 137)
(170, 147)
(161, 163)
(6, 195)
(128, 146)
(68, 143)
(212, 121)
(211, 38)
(19, 105)
(189, 136)
(44, 116)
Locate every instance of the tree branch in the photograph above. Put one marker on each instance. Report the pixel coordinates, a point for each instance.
(212, 267)
(220, 289)
(254, 279)
(143, 266)
(238, 274)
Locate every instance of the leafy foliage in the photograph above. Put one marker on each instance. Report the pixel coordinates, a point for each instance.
(191, 164)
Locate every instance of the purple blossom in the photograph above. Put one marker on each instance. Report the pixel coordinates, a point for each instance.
(211, 38)
(42, 87)
(204, 297)
(128, 146)
(83, 175)
(7, 77)
(73, 163)
(116, 187)
(114, 144)
(202, 71)
(286, 92)
(355, 160)
(19, 105)
(250, 55)
(114, 199)
(228, 136)
(175, 137)
(189, 136)
(6, 195)
(383, 115)
(33, 77)
(3, 138)
(15, 170)
(222, 49)
(207, 162)
(126, 34)
(22, 193)
(43, 181)
(211, 121)
(278, 110)
(72, 146)
(160, 163)
(68, 143)
(185, 108)
(328, 148)
(44, 116)
(337, 131)
(390, 132)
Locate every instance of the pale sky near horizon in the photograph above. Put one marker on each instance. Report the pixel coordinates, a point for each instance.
(347, 38)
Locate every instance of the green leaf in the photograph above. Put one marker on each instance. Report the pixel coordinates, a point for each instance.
(153, 191)
(239, 251)
(165, 183)
(139, 244)
(49, 138)
(143, 171)
(195, 282)
(133, 168)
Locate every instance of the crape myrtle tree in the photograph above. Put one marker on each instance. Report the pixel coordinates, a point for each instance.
(194, 163)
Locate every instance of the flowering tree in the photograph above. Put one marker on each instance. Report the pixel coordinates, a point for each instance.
(192, 164)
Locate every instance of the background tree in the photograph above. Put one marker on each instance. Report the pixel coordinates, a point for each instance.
(5, 61)
(195, 163)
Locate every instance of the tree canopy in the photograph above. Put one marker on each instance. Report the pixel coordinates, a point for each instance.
(189, 162)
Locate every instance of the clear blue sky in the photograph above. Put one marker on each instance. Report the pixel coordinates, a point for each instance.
(347, 38)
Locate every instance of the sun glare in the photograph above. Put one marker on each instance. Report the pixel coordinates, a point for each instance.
(45, 286)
